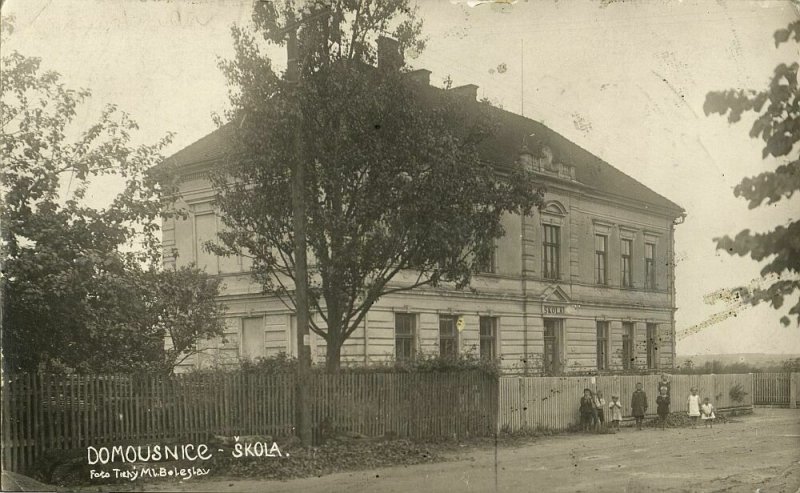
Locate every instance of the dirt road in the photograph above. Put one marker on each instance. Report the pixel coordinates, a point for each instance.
(759, 451)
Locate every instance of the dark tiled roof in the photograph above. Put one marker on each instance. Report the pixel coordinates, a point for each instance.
(502, 149)
(589, 169)
(209, 148)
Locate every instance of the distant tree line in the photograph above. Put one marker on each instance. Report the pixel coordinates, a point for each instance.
(716, 366)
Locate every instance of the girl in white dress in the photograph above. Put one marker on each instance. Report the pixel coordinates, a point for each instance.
(693, 404)
(615, 411)
(707, 412)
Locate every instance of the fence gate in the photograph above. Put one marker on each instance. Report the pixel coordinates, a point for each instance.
(771, 389)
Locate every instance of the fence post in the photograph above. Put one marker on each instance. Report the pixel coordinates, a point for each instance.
(793, 380)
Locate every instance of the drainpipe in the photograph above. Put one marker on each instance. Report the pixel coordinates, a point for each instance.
(672, 291)
(524, 280)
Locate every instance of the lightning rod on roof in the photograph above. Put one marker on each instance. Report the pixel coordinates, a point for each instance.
(522, 77)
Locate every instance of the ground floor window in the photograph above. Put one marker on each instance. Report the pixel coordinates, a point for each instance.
(253, 338)
(602, 345)
(652, 346)
(448, 336)
(627, 345)
(404, 333)
(488, 328)
(552, 346)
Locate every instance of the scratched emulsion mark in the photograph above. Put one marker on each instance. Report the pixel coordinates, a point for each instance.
(475, 3)
(501, 6)
(737, 300)
(460, 30)
(681, 98)
(581, 124)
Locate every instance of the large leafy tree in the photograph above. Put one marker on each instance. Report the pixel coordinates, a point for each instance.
(397, 194)
(778, 126)
(82, 285)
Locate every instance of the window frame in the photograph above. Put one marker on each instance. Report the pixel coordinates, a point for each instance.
(652, 346)
(557, 344)
(603, 332)
(650, 266)
(628, 350)
(601, 260)
(407, 339)
(453, 319)
(551, 251)
(490, 267)
(490, 339)
(626, 263)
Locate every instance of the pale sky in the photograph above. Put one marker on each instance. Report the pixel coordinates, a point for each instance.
(625, 80)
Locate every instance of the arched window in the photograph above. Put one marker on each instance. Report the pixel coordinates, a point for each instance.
(553, 215)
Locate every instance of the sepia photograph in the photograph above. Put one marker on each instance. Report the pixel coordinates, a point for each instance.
(400, 245)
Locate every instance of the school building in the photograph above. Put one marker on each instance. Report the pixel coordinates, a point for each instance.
(585, 284)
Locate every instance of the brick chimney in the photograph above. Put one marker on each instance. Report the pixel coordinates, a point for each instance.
(469, 91)
(389, 54)
(420, 76)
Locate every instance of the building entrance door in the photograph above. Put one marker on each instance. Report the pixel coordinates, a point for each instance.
(552, 345)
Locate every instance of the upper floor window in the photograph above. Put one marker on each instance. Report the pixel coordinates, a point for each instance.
(405, 325)
(650, 266)
(627, 272)
(552, 248)
(490, 266)
(600, 259)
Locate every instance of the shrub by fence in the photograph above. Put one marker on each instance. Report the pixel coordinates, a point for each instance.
(47, 412)
(552, 402)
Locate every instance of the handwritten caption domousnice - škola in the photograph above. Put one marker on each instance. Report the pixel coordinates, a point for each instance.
(138, 454)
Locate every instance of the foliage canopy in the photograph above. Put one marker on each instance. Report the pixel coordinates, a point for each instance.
(82, 288)
(397, 194)
(778, 126)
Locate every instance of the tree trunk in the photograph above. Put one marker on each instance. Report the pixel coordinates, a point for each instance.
(333, 355)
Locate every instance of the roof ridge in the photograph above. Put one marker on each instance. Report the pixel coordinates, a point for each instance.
(501, 147)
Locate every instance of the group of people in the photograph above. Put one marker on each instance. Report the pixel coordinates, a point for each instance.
(593, 407)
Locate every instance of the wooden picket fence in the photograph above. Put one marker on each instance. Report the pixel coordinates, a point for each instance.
(552, 402)
(43, 413)
(772, 389)
(49, 413)
(413, 405)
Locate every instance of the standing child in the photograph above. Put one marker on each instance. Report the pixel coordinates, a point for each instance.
(599, 408)
(615, 411)
(707, 412)
(639, 405)
(693, 406)
(663, 383)
(662, 402)
(587, 410)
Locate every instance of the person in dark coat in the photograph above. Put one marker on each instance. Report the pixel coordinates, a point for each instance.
(639, 405)
(662, 403)
(587, 410)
